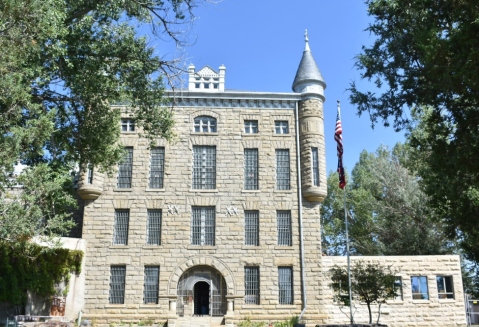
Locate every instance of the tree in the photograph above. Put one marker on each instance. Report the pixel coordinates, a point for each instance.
(388, 212)
(425, 59)
(371, 282)
(62, 63)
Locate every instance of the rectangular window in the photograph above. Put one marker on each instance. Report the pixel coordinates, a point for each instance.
(284, 227)
(207, 85)
(120, 232)
(124, 169)
(251, 169)
(157, 167)
(204, 167)
(285, 285)
(251, 285)
(197, 85)
(282, 169)
(203, 226)
(127, 125)
(398, 288)
(117, 284)
(251, 228)
(419, 288)
(445, 289)
(154, 227)
(150, 293)
(89, 177)
(281, 127)
(315, 166)
(251, 126)
(215, 85)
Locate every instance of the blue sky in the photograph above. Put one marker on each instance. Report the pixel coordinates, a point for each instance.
(261, 43)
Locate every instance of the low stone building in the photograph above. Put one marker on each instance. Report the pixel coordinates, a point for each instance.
(224, 221)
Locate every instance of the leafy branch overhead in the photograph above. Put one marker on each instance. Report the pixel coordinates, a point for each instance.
(63, 63)
(424, 63)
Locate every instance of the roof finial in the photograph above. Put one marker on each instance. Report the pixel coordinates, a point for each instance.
(306, 47)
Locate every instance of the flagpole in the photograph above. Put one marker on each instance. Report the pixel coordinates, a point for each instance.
(338, 136)
(349, 263)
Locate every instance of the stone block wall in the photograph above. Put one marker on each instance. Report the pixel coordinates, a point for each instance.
(408, 311)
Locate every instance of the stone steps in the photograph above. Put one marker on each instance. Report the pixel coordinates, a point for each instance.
(199, 321)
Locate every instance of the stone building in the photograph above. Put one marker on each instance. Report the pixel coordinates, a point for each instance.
(224, 221)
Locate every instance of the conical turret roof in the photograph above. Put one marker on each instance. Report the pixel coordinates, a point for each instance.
(308, 70)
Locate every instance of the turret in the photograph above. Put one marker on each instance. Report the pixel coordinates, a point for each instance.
(310, 83)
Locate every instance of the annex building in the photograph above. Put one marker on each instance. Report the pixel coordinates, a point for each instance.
(224, 222)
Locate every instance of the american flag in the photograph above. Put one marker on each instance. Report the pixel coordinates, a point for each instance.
(338, 136)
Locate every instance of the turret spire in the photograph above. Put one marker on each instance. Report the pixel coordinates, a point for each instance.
(306, 39)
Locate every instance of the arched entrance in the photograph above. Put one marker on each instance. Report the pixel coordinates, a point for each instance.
(201, 291)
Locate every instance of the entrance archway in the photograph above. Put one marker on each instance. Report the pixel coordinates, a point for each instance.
(201, 298)
(201, 291)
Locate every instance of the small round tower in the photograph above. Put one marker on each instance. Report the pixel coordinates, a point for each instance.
(310, 83)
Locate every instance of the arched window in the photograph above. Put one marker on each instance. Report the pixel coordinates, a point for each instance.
(205, 124)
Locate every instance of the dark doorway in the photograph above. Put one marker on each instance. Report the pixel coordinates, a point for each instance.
(202, 298)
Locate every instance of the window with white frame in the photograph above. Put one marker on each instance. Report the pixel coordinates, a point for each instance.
(150, 288)
(282, 169)
(205, 124)
(153, 228)
(251, 126)
(281, 127)
(125, 169)
(203, 226)
(315, 166)
(445, 287)
(397, 286)
(251, 169)
(157, 167)
(251, 285)
(120, 228)
(251, 227)
(204, 167)
(419, 288)
(285, 275)
(284, 227)
(89, 177)
(127, 125)
(117, 285)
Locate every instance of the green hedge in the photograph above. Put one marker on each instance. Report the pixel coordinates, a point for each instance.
(38, 272)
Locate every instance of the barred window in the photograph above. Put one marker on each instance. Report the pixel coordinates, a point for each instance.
(150, 293)
(124, 169)
(117, 284)
(203, 226)
(315, 166)
(251, 126)
(157, 167)
(281, 127)
(284, 227)
(251, 285)
(282, 169)
(445, 288)
(154, 227)
(285, 285)
(205, 124)
(120, 231)
(127, 125)
(204, 167)
(251, 169)
(89, 177)
(419, 288)
(251, 228)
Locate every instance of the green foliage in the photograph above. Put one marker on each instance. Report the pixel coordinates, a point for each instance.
(38, 273)
(425, 60)
(370, 283)
(62, 64)
(387, 210)
(148, 322)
